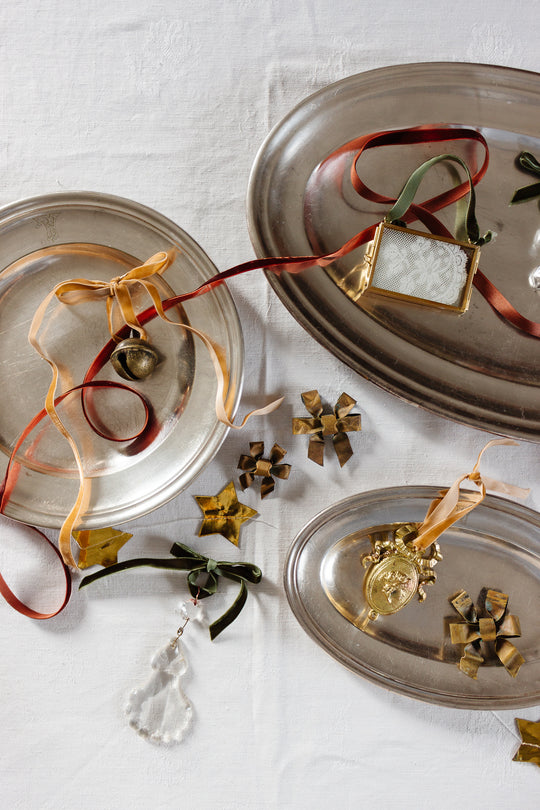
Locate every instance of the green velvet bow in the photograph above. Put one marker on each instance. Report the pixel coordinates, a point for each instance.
(197, 564)
(528, 163)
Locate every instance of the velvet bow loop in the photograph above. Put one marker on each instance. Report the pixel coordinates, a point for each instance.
(186, 559)
(528, 163)
(118, 291)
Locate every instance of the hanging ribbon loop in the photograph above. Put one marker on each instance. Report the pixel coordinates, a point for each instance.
(444, 511)
(408, 192)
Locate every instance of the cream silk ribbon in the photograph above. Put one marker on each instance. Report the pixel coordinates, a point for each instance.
(120, 311)
(453, 505)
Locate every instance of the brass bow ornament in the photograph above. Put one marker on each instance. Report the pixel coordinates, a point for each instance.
(495, 628)
(337, 424)
(255, 465)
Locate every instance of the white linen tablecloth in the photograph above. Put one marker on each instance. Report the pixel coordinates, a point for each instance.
(167, 102)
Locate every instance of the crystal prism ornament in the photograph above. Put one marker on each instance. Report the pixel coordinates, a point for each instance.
(159, 710)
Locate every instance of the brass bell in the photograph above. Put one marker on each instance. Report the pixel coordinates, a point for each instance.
(134, 359)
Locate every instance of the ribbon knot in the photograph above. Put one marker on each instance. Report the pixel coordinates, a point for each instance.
(255, 465)
(494, 629)
(196, 564)
(118, 291)
(336, 423)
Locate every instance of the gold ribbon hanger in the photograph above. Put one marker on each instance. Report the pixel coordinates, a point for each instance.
(451, 506)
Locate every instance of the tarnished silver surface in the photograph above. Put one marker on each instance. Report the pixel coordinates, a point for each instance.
(497, 546)
(473, 368)
(48, 239)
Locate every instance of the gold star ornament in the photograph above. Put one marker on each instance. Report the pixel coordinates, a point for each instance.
(529, 750)
(223, 514)
(100, 546)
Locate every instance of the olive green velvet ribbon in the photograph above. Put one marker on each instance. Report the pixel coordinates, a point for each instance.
(528, 163)
(469, 223)
(197, 564)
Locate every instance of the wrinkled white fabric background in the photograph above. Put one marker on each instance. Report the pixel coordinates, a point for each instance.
(167, 102)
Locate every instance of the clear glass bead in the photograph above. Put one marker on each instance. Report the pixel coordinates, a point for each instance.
(192, 611)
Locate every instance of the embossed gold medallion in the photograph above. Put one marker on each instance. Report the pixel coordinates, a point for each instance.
(397, 571)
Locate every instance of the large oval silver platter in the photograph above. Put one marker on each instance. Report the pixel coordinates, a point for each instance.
(496, 546)
(476, 368)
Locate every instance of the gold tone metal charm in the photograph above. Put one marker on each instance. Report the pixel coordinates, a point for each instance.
(397, 571)
(321, 424)
(267, 468)
(134, 359)
(100, 546)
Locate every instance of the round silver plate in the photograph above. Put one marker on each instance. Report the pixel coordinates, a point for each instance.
(473, 368)
(53, 238)
(496, 546)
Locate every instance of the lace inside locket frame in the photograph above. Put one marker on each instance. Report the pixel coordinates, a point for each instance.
(419, 267)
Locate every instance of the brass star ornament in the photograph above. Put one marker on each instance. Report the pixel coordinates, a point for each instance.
(100, 546)
(224, 514)
(529, 750)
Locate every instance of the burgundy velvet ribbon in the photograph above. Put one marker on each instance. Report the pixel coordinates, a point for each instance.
(12, 471)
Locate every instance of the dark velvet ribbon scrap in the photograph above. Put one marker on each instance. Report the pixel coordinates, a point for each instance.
(196, 564)
(528, 163)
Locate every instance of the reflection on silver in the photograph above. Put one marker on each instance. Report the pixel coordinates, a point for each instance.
(534, 279)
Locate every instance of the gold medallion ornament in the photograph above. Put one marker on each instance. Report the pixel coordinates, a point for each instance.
(400, 566)
(397, 571)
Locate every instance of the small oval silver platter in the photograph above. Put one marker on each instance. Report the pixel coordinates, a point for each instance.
(496, 546)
